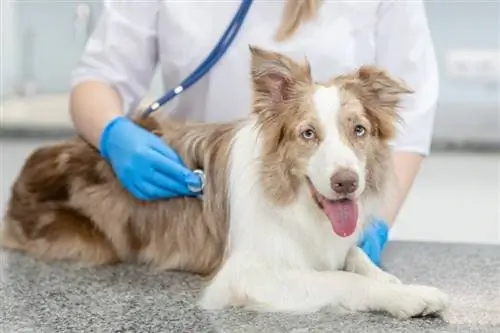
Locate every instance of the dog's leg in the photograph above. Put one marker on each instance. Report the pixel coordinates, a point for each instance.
(358, 262)
(304, 291)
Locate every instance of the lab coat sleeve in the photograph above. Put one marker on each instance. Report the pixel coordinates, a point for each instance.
(122, 50)
(405, 48)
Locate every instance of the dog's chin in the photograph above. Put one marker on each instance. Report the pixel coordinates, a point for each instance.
(341, 210)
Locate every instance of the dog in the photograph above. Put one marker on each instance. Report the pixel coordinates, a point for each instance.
(288, 191)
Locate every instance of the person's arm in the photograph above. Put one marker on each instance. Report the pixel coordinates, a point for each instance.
(405, 49)
(407, 165)
(85, 99)
(116, 67)
(115, 72)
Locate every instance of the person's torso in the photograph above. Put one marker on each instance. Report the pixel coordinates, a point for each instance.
(339, 40)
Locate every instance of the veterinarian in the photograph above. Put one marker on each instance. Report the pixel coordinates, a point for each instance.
(132, 38)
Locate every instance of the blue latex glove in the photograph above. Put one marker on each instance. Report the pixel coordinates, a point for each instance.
(143, 163)
(374, 239)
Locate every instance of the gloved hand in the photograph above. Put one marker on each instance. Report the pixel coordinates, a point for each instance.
(374, 239)
(143, 163)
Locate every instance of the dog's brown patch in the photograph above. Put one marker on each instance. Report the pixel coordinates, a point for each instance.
(282, 103)
(67, 204)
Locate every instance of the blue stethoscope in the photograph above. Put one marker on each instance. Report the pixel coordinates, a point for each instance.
(217, 53)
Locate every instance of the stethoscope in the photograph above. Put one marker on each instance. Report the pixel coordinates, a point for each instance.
(217, 53)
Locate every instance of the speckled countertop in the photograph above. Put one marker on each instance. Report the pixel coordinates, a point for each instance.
(40, 297)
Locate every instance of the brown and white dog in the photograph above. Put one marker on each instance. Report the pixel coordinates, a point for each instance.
(288, 190)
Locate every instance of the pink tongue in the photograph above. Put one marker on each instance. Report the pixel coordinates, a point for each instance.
(343, 216)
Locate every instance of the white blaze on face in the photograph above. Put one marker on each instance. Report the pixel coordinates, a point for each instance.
(332, 153)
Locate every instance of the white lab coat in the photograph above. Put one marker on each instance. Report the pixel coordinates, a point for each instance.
(131, 38)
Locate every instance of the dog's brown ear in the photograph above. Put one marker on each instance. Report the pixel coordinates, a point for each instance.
(381, 94)
(379, 84)
(275, 76)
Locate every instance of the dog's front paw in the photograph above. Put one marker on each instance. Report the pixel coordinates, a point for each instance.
(384, 277)
(416, 300)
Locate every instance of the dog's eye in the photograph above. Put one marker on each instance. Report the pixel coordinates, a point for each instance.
(359, 130)
(308, 134)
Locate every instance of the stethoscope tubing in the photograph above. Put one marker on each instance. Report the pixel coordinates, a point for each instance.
(215, 55)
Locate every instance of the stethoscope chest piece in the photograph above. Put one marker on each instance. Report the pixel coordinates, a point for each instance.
(200, 188)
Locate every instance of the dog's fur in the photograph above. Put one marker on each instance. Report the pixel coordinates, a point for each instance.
(260, 232)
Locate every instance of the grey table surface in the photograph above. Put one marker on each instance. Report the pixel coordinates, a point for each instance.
(59, 297)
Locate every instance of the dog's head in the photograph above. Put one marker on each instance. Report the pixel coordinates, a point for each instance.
(331, 139)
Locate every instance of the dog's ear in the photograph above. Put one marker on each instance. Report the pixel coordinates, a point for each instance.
(381, 94)
(380, 86)
(275, 76)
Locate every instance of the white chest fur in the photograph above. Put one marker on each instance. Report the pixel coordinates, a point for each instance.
(289, 259)
(297, 236)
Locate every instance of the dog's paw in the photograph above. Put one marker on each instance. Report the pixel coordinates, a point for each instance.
(384, 277)
(416, 300)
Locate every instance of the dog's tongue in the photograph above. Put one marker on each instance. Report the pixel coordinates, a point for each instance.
(343, 215)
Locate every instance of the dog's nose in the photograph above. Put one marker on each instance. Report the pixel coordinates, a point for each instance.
(344, 181)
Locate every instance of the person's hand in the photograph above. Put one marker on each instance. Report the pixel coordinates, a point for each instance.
(374, 239)
(143, 163)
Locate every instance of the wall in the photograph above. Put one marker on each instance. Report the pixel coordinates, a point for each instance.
(48, 45)
(8, 47)
(468, 110)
